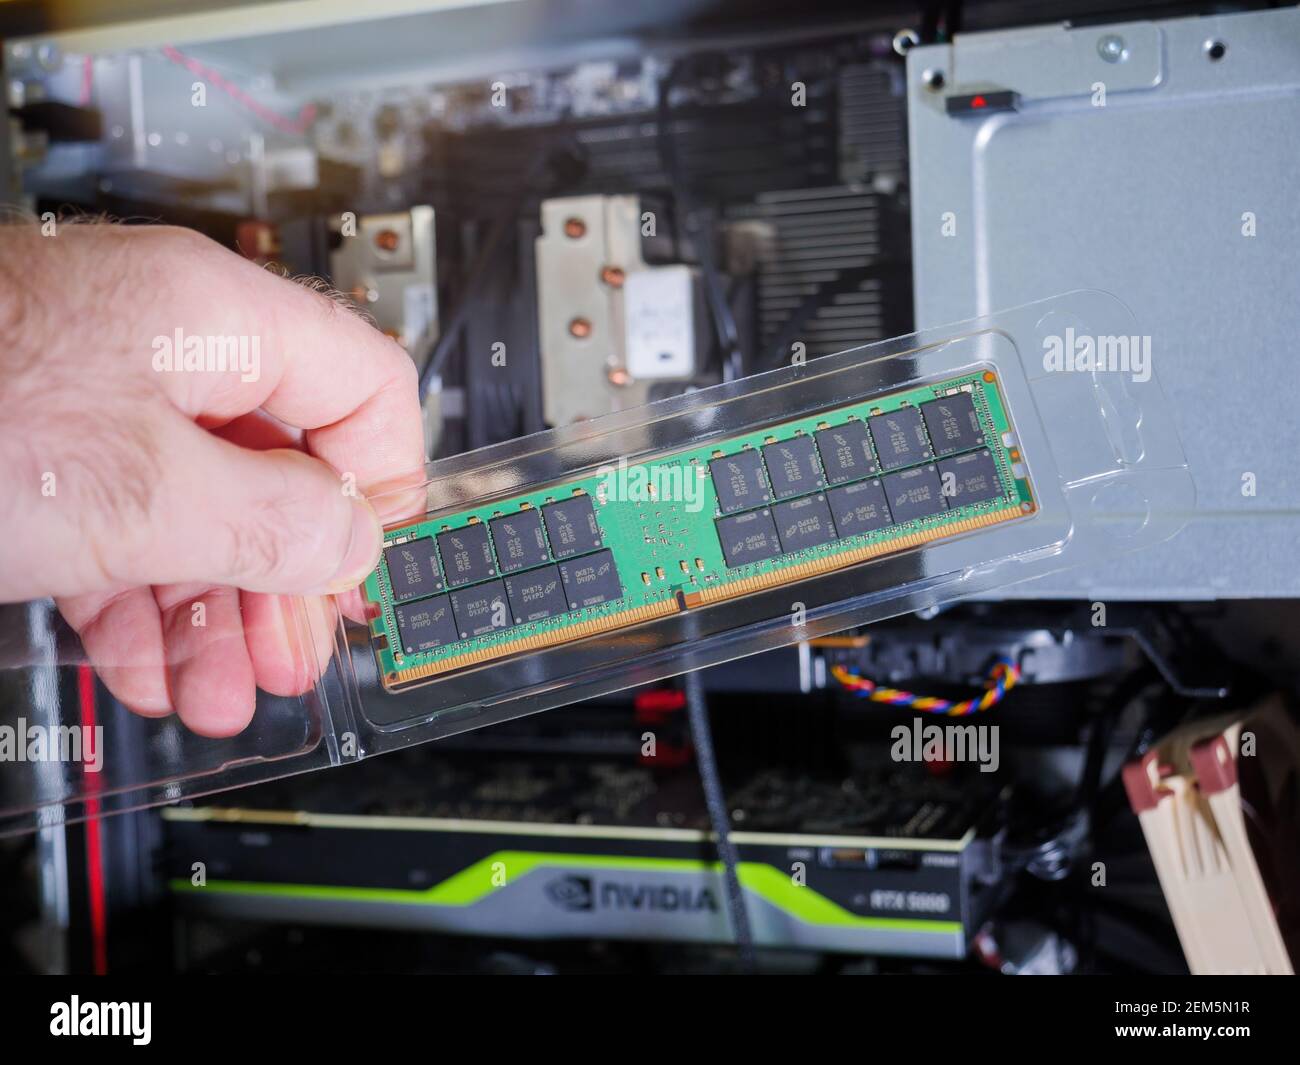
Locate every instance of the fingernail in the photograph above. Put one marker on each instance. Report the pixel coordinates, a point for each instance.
(363, 552)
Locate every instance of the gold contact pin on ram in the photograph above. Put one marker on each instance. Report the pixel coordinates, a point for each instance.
(540, 640)
(704, 597)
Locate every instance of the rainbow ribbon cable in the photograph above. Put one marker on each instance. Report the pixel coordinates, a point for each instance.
(1004, 676)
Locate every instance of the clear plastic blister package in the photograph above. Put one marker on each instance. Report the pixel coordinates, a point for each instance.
(1066, 461)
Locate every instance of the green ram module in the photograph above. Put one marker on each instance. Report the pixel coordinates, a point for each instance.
(680, 531)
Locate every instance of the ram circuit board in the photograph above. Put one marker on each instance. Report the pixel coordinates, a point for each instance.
(632, 542)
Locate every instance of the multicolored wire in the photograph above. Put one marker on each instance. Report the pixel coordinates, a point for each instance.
(1004, 676)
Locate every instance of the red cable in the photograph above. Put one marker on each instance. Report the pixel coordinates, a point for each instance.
(94, 842)
(297, 126)
(87, 81)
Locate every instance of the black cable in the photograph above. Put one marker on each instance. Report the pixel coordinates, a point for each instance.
(451, 331)
(697, 710)
(554, 169)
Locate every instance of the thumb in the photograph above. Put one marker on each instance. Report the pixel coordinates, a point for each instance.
(266, 521)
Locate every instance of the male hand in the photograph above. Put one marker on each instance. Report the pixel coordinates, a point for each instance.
(171, 510)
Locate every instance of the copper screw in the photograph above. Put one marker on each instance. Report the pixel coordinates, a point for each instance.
(613, 276)
(387, 240)
(619, 377)
(574, 228)
(580, 328)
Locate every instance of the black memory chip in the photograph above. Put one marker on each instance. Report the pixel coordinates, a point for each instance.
(748, 538)
(425, 626)
(519, 540)
(413, 569)
(466, 554)
(899, 438)
(914, 493)
(536, 596)
(792, 467)
(803, 523)
(859, 508)
(970, 479)
(738, 480)
(591, 581)
(846, 452)
(481, 610)
(953, 423)
(571, 525)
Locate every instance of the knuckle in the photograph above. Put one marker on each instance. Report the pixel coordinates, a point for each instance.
(164, 259)
(181, 240)
(406, 376)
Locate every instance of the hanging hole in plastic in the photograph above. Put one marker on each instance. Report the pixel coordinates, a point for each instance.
(1121, 509)
(1121, 414)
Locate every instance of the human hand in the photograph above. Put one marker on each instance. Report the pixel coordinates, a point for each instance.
(145, 498)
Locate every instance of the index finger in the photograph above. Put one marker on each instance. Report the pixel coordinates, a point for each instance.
(289, 350)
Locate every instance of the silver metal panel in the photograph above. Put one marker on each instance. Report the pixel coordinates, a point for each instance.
(1146, 196)
(313, 46)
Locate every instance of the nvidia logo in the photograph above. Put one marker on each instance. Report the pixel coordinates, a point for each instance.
(573, 893)
(582, 894)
